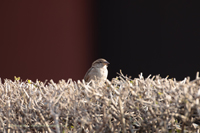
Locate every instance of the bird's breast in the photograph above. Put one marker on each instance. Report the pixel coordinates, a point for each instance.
(103, 72)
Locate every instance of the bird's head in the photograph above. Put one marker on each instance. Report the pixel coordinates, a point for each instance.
(100, 63)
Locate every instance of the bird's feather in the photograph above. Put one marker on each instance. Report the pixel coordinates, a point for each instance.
(87, 77)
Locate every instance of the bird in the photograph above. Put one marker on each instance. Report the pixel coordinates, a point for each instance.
(98, 71)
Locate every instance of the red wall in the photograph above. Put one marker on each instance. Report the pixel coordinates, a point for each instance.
(45, 39)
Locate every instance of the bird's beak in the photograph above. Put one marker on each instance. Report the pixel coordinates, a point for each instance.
(106, 63)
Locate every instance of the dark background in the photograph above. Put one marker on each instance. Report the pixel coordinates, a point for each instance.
(46, 39)
(60, 39)
(150, 37)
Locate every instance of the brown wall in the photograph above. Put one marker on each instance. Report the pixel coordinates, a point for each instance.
(45, 39)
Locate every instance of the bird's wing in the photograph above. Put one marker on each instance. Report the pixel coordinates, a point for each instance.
(87, 77)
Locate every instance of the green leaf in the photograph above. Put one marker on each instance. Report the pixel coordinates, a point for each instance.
(178, 130)
(29, 81)
(16, 78)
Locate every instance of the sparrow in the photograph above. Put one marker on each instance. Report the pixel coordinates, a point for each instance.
(98, 71)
